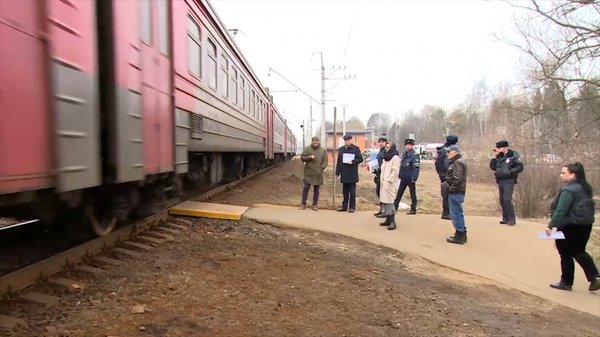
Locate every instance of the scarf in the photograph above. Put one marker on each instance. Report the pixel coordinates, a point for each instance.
(390, 153)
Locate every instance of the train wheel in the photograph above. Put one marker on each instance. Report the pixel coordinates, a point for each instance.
(100, 225)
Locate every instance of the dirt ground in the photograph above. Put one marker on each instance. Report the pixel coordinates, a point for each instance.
(224, 278)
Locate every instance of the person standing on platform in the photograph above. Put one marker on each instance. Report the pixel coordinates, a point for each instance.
(382, 148)
(315, 161)
(573, 214)
(441, 166)
(390, 181)
(349, 156)
(507, 165)
(456, 184)
(409, 173)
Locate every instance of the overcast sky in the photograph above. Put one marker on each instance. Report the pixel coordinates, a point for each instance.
(404, 54)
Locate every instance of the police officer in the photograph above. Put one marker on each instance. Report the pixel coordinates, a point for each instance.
(409, 173)
(381, 142)
(441, 166)
(348, 170)
(507, 165)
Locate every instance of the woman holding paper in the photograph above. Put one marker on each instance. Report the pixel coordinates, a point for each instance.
(573, 214)
(390, 182)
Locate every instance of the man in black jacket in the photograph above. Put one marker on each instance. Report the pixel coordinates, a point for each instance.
(456, 183)
(507, 166)
(441, 166)
(410, 165)
(347, 168)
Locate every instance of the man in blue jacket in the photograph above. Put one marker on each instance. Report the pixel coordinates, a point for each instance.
(381, 142)
(409, 173)
(348, 170)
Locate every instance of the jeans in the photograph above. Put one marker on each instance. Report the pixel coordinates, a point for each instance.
(455, 201)
(315, 195)
(505, 189)
(413, 194)
(573, 247)
(349, 193)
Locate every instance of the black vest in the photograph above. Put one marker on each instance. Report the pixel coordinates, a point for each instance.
(582, 209)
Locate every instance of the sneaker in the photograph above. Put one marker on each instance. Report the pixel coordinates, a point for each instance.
(314, 208)
(412, 212)
(561, 285)
(502, 222)
(351, 210)
(377, 214)
(341, 209)
(595, 284)
(446, 217)
(302, 207)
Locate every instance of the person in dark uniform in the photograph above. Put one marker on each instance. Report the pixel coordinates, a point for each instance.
(507, 166)
(573, 214)
(441, 166)
(382, 144)
(409, 173)
(348, 170)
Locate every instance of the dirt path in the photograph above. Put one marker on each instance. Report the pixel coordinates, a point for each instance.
(246, 279)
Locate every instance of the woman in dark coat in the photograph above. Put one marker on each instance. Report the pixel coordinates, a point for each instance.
(573, 215)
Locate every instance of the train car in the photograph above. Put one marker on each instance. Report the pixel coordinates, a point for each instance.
(155, 96)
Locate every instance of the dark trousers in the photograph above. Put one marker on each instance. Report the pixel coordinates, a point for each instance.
(505, 189)
(315, 194)
(413, 194)
(445, 207)
(573, 247)
(349, 196)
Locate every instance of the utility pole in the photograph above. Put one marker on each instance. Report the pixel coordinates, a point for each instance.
(323, 121)
(310, 123)
(333, 147)
(303, 133)
(344, 119)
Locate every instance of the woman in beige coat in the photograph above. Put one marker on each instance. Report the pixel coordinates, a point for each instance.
(389, 184)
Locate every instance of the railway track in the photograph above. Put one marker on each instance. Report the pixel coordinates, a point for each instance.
(150, 230)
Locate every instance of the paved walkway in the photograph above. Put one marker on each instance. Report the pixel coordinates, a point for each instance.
(513, 256)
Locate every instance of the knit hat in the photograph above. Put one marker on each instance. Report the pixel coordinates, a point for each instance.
(451, 139)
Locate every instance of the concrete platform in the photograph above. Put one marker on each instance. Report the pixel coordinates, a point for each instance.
(208, 210)
(510, 256)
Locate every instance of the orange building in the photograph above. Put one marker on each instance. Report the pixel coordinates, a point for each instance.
(360, 138)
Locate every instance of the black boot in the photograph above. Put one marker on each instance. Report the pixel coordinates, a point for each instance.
(386, 222)
(412, 212)
(380, 210)
(458, 238)
(392, 224)
(446, 216)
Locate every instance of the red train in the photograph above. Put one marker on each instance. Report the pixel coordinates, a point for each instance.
(108, 105)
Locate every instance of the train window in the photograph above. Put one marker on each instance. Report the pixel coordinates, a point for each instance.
(243, 92)
(146, 21)
(253, 105)
(224, 76)
(234, 86)
(163, 26)
(194, 49)
(212, 64)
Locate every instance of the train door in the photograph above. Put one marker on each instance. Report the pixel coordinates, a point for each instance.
(156, 85)
(74, 78)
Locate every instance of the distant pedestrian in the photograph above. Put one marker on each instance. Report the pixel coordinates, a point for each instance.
(409, 173)
(315, 162)
(381, 142)
(349, 156)
(456, 181)
(441, 166)
(573, 214)
(389, 185)
(507, 166)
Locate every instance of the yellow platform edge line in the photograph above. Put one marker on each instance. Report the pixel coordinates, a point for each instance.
(206, 214)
